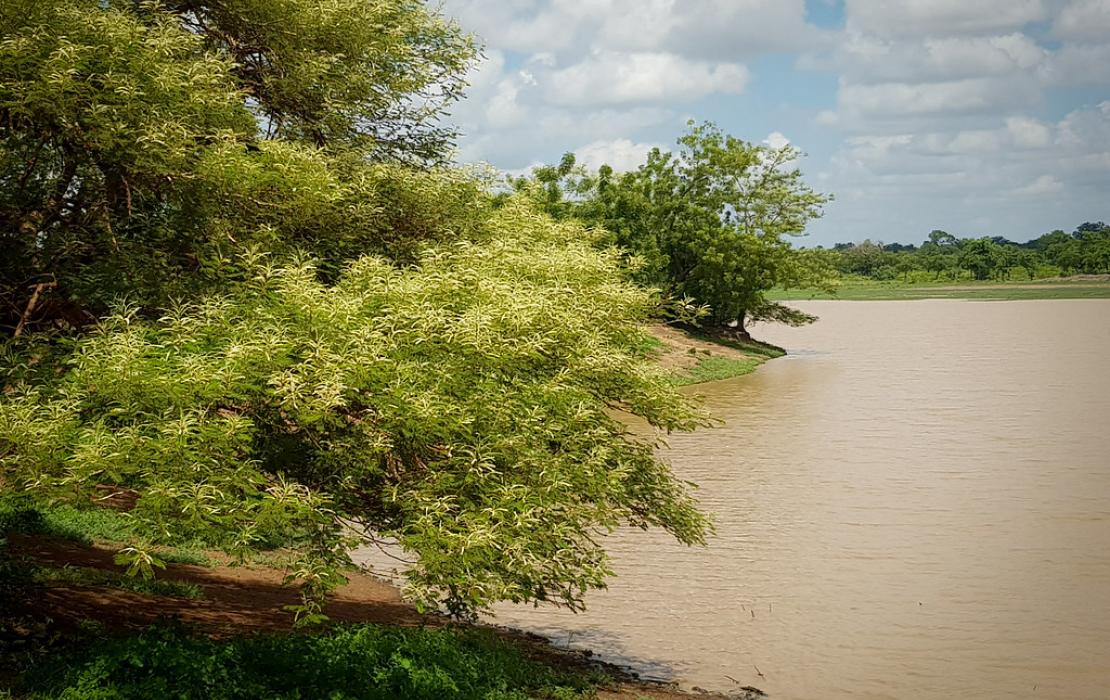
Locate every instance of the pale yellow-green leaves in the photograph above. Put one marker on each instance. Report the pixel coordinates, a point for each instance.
(462, 406)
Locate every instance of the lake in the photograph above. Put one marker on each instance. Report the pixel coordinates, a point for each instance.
(915, 503)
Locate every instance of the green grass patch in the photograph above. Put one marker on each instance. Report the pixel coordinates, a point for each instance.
(18, 514)
(192, 557)
(751, 348)
(21, 515)
(360, 661)
(883, 291)
(711, 369)
(649, 346)
(99, 578)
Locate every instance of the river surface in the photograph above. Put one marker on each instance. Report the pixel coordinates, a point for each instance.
(914, 504)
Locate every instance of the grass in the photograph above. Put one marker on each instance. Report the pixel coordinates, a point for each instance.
(867, 290)
(751, 348)
(711, 369)
(649, 346)
(99, 578)
(355, 661)
(24, 516)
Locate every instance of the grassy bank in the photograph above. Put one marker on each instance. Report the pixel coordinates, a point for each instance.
(350, 661)
(73, 626)
(868, 290)
(696, 358)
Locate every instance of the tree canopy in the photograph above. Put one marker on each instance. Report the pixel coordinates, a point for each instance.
(711, 222)
(239, 283)
(1085, 251)
(143, 143)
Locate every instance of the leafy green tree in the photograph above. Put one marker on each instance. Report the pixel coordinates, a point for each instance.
(1094, 247)
(711, 222)
(981, 257)
(1059, 249)
(865, 258)
(460, 407)
(143, 144)
(236, 285)
(932, 258)
(1029, 261)
(943, 239)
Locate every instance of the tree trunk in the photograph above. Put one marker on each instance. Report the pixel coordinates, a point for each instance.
(739, 332)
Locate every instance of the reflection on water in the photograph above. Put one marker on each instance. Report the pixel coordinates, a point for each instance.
(916, 503)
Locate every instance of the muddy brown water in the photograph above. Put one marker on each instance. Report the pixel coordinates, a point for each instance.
(914, 504)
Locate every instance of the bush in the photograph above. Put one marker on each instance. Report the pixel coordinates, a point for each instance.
(361, 661)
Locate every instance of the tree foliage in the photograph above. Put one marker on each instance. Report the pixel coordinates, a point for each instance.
(143, 143)
(459, 406)
(1086, 250)
(238, 285)
(712, 221)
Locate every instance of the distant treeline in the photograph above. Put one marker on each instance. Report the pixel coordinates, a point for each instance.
(1084, 251)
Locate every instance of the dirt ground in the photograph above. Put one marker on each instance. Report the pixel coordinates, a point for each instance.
(245, 599)
(682, 352)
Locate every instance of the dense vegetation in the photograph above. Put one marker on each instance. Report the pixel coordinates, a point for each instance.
(710, 224)
(360, 661)
(943, 256)
(242, 292)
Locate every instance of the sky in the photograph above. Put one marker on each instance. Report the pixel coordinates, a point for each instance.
(978, 117)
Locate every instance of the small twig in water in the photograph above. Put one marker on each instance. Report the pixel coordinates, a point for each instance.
(758, 672)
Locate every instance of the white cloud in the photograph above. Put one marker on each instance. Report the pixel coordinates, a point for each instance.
(1043, 185)
(1028, 133)
(941, 17)
(872, 59)
(620, 154)
(942, 107)
(1021, 177)
(1080, 64)
(714, 29)
(504, 108)
(949, 97)
(609, 77)
(1083, 19)
(776, 140)
(729, 30)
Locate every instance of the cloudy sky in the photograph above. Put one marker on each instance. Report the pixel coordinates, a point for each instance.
(980, 117)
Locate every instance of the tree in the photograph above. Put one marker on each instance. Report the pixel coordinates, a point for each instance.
(981, 257)
(1059, 249)
(932, 257)
(141, 144)
(866, 259)
(236, 289)
(711, 222)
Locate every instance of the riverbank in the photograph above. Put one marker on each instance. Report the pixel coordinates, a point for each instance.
(1078, 287)
(695, 358)
(77, 627)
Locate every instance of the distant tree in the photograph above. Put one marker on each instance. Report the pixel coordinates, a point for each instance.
(899, 247)
(712, 222)
(1029, 261)
(943, 239)
(933, 258)
(865, 258)
(981, 257)
(905, 264)
(1060, 249)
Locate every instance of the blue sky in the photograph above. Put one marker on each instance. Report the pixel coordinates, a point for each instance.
(980, 117)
